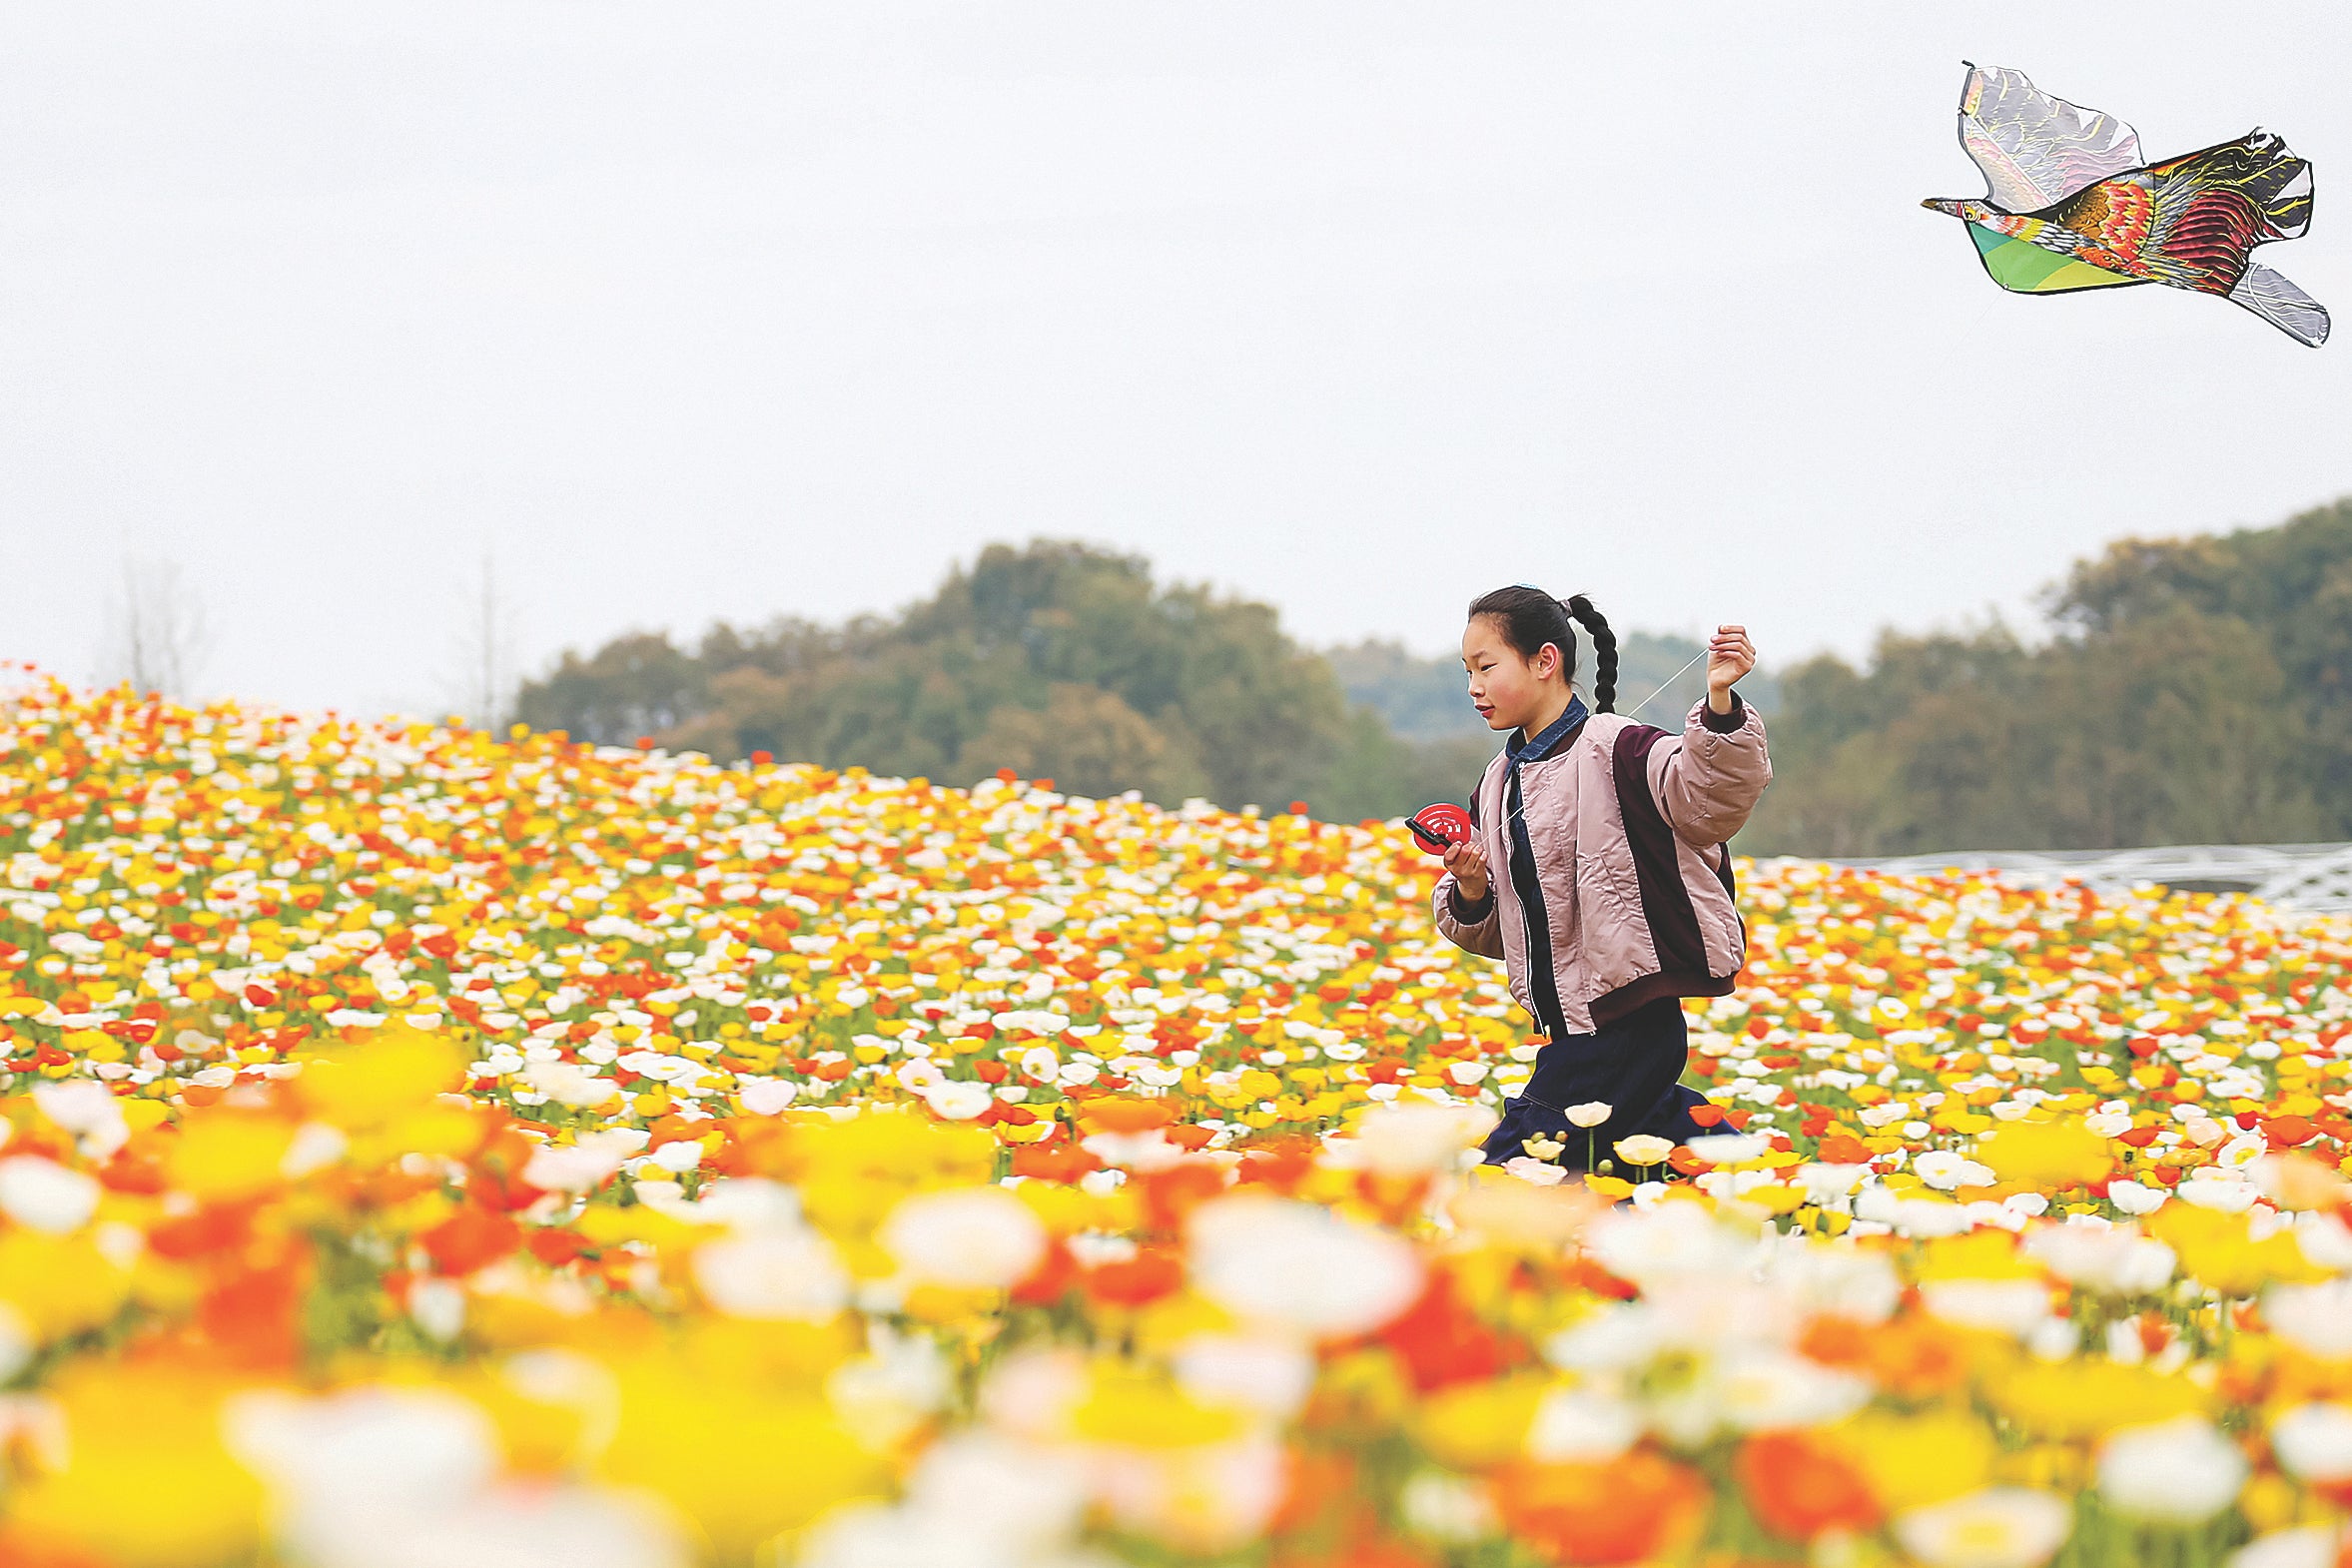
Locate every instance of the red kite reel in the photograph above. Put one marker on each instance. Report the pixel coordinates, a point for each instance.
(1440, 827)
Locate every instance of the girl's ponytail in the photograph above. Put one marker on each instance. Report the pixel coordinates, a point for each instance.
(1604, 652)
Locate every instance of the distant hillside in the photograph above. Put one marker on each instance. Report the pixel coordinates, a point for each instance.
(2198, 691)
(1056, 660)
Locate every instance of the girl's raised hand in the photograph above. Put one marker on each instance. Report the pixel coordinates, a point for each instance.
(1469, 870)
(1729, 655)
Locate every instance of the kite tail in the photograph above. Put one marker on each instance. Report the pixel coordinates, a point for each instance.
(2274, 183)
(2283, 305)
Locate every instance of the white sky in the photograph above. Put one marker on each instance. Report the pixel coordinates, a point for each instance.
(690, 310)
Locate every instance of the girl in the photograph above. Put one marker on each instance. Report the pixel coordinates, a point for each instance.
(1598, 870)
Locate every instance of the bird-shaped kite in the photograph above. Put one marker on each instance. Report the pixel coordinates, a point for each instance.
(2070, 206)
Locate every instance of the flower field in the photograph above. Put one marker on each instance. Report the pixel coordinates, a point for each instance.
(424, 1150)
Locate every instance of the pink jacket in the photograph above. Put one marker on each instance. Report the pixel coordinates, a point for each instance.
(1630, 884)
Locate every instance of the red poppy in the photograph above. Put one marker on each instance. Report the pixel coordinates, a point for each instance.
(2289, 1131)
(1168, 1195)
(1133, 1281)
(1063, 1163)
(555, 1247)
(1111, 1113)
(1843, 1148)
(1441, 1341)
(468, 1240)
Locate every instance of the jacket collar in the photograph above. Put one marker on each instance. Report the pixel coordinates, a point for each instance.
(1553, 734)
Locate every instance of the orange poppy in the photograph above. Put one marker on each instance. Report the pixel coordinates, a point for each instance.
(1798, 1488)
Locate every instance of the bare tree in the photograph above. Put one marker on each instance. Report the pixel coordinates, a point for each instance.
(154, 637)
(481, 684)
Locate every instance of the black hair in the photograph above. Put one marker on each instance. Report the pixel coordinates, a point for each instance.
(1529, 617)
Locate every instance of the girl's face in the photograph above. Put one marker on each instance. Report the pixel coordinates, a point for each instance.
(1509, 688)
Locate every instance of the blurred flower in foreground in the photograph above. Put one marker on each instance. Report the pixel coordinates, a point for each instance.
(1298, 1266)
(2005, 1528)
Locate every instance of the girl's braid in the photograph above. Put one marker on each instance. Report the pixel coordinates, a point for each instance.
(1604, 652)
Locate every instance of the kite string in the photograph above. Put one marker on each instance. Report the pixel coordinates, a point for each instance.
(1670, 680)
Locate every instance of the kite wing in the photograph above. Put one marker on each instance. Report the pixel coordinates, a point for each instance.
(2283, 305)
(2036, 150)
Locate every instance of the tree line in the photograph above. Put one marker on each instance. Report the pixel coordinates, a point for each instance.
(2191, 690)
(1057, 660)
(2195, 691)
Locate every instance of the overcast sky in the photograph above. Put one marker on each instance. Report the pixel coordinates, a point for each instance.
(689, 311)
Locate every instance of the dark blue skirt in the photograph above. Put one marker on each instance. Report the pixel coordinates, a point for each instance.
(1630, 1065)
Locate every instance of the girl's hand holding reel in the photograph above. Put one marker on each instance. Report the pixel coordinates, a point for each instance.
(1469, 869)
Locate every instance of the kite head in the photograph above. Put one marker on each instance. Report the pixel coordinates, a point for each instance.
(1959, 207)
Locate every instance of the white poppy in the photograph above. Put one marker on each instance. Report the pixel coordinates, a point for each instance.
(678, 1155)
(1827, 1182)
(528, 1526)
(1015, 1497)
(41, 1194)
(2110, 1261)
(2311, 1546)
(1644, 1148)
(2228, 1198)
(1999, 1527)
(2179, 1472)
(1578, 1425)
(1727, 1148)
(2314, 1442)
(2239, 1153)
(1297, 1265)
(1679, 1244)
(773, 1274)
(350, 1464)
(2134, 1198)
(88, 1110)
(2316, 1318)
(975, 1237)
(1762, 1389)
(958, 1100)
(767, 1097)
(1943, 1169)
(572, 1084)
(1271, 1376)
(2009, 1306)
(315, 1145)
(1402, 1141)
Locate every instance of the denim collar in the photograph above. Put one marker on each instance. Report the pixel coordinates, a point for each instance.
(1558, 730)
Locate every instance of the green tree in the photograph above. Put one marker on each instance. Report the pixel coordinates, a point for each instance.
(637, 684)
(2195, 693)
(1056, 659)
(2291, 585)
